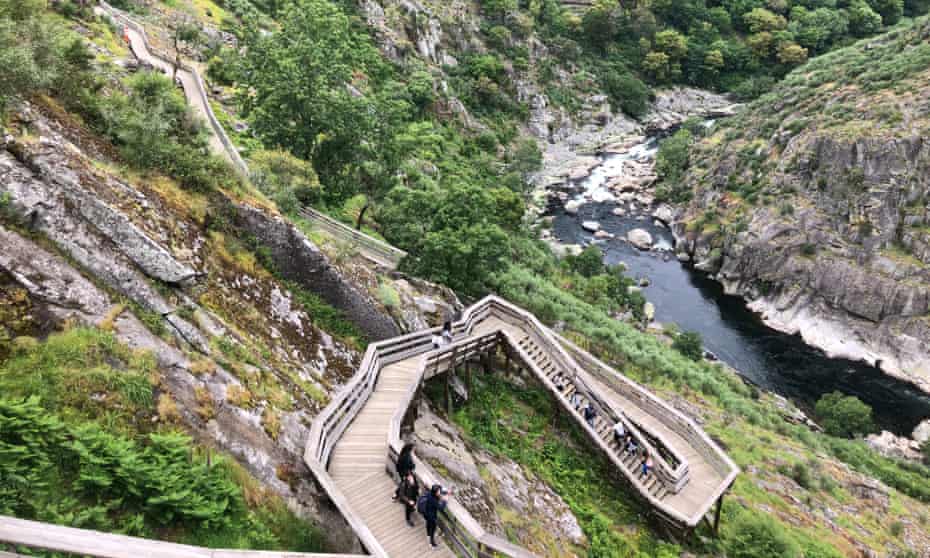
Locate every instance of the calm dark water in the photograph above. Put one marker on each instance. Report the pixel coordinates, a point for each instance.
(772, 360)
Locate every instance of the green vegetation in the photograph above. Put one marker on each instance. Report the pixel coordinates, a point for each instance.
(145, 117)
(689, 343)
(518, 423)
(758, 536)
(844, 415)
(79, 448)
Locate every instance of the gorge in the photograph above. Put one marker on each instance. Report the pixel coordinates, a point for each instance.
(694, 301)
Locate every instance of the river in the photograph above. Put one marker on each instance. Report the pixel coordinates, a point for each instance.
(774, 361)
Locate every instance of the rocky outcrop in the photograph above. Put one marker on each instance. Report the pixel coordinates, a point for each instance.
(640, 238)
(503, 497)
(898, 447)
(64, 294)
(297, 259)
(821, 218)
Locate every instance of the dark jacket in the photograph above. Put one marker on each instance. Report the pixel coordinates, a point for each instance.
(405, 464)
(433, 506)
(410, 491)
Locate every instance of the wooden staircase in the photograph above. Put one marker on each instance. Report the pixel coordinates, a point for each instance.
(632, 461)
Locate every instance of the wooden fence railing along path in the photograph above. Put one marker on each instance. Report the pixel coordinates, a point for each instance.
(195, 91)
(691, 472)
(375, 250)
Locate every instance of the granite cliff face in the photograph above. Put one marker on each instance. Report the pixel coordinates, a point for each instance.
(814, 204)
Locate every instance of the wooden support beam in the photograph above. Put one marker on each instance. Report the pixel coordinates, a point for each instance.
(717, 515)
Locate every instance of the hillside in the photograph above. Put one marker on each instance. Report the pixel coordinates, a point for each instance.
(161, 314)
(813, 203)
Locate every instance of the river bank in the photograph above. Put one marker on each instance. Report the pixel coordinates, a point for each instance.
(605, 193)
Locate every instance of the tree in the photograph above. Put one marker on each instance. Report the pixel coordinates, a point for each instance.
(599, 24)
(863, 20)
(525, 159)
(689, 344)
(626, 91)
(760, 19)
(890, 10)
(588, 263)
(499, 9)
(657, 65)
(790, 53)
(844, 415)
(673, 157)
(672, 43)
(185, 33)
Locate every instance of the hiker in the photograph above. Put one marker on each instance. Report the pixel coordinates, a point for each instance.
(436, 341)
(430, 505)
(619, 433)
(589, 415)
(405, 465)
(409, 494)
(647, 464)
(447, 333)
(630, 446)
(576, 399)
(559, 382)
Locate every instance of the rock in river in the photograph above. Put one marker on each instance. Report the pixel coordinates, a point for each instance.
(594, 226)
(639, 238)
(572, 207)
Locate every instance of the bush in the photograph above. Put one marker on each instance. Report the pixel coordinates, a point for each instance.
(689, 344)
(844, 415)
(289, 181)
(588, 263)
(758, 536)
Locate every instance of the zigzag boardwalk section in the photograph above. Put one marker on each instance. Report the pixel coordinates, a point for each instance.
(355, 440)
(358, 466)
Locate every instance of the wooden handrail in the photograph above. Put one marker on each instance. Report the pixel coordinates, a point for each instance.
(85, 542)
(467, 534)
(385, 253)
(676, 476)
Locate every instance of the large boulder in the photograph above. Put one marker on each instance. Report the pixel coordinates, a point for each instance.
(922, 432)
(591, 226)
(572, 207)
(640, 238)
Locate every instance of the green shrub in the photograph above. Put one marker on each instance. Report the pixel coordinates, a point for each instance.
(896, 528)
(689, 343)
(844, 415)
(752, 535)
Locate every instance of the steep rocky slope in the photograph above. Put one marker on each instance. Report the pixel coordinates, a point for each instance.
(215, 286)
(813, 203)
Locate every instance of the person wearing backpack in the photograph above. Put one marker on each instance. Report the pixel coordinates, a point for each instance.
(409, 493)
(429, 505)
(405, 465)
(589, 415)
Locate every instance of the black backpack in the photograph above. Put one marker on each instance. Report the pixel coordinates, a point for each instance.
(421, 503)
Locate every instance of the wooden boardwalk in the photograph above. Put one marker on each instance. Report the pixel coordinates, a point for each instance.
(358, 467)
(691, 473)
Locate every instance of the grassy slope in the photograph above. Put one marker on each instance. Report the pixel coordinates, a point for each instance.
(772, 453)
(104, 397)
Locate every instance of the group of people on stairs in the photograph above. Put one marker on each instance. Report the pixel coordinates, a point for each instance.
(428, 504)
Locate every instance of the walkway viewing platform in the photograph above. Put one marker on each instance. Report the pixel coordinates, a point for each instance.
(356, 439)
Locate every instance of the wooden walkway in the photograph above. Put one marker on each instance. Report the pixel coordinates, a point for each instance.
(352, 439)
(358, 467)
